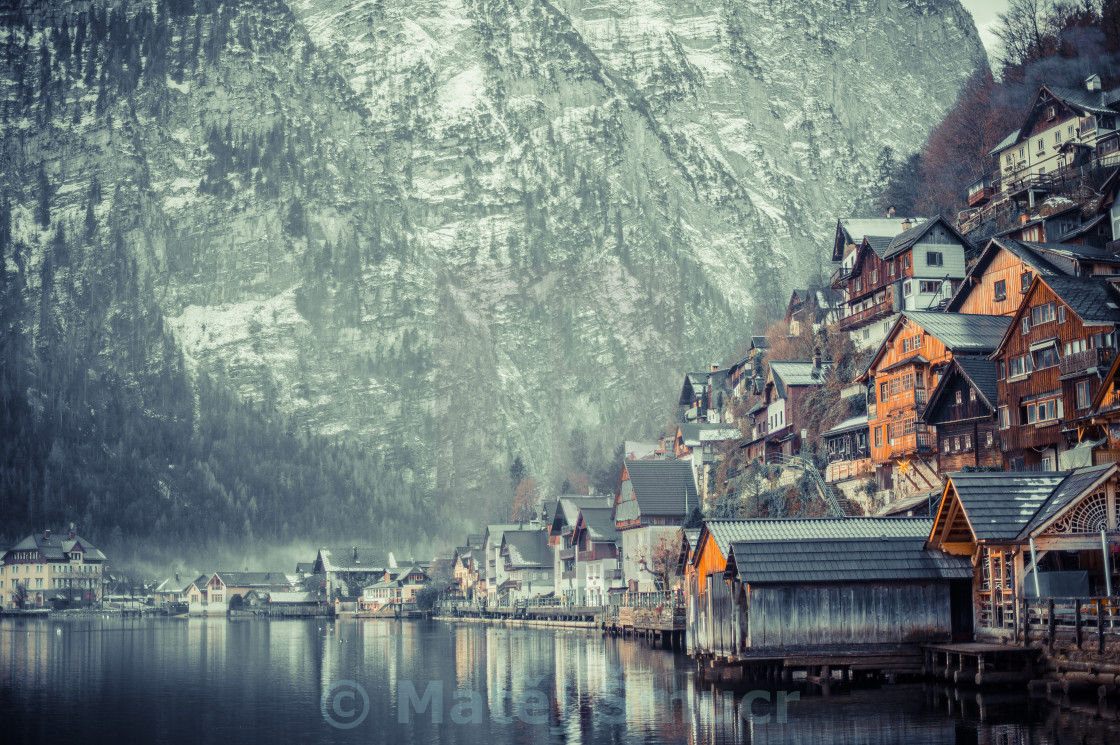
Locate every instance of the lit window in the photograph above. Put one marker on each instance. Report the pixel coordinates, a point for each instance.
(971, 394)
(990, 438)
(958, 397)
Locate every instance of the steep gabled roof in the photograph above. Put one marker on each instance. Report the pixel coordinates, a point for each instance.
(568, 507)
(907, 239)
(1095, 301)
(1075, 484)
(1006, 142)
(818, 560)
(979, 372)
(663, 487)
(999, 505)
(1098, 102)
(855, 229)
(599, 523)
(962, 332)
(360, 559)
(527, 548)
(793, 373)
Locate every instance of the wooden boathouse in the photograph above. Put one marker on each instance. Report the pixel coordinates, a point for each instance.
(860, 595)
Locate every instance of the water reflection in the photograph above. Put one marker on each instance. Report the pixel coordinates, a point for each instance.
(214, 680)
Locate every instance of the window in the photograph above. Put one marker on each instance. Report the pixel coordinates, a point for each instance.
(883, 391)
(1045, 357)
(929, 287)
(1009, 159)
(1050, 113)
(1047, 464)
(1023, 152)
(890, 269)
(945, 444)
(989, 439)
(1001, 289)
(971, 394)
(1061, 314)
(968, 442)
(1025, 281)
(1058, 137)
(958, 397)
(1075, 346)
(1021, 365)
(934, 258)
(1026, 326)
(874, 275)
(1004, 418)
(906, 261)
(878, 437)
(1002, 369)
(1041, 146)
(956, 443)
(1083, 394)
(1071, 131)
(1042, 314)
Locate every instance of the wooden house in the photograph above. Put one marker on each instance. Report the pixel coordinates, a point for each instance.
(568, 575)
(698, 444)
(1049, 366)
(653, 500)
(1060, 129)
(760, 588)
(346, 570)
(993, 518)
(848, 449)
(528, 564)
(812, 308)
(906, 367)
(703, 395)
(787, 384)
(597, 545)
(918, 269)
(964, 411)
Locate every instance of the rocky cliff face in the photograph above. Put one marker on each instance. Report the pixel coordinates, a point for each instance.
(454, 230)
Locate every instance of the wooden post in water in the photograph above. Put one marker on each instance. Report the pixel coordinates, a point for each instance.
(1077, 622)
(1050, 624)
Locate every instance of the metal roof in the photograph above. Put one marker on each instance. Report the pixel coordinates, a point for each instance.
(1090, 101)
(818, 560)
(350, 558)
(1073, 251)
(527, 548)
(907, 239)
(1005, 142)
(58, 545)
(858, 228)
(663, 487)
(962, 332)
(695, 433)
(853, 423)
(253, 579)
(1094, 301)
(729, 531)
(999, 505)
(796, 373)
(599, 522)
(1076, 484)
(978, 372)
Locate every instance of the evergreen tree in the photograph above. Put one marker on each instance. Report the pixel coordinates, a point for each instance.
(43, 197)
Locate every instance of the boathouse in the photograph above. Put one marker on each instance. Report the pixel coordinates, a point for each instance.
(828, 582)
(1063, 523)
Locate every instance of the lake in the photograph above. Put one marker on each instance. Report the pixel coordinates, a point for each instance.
(379, 681)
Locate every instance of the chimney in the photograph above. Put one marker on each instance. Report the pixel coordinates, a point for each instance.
(47, 533)
(816, 361)
(905, 224)
(176, 576)
(1093, 83)
(71, 531)
(714, 367)
(355, 554)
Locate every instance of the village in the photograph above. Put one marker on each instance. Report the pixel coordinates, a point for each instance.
(913, 472)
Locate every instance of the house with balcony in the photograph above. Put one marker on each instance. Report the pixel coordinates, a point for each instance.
(599, 556)
(1050, 363)
(918, 269)
(1062, 129)
(698, 444)
(788, 382)
(703, 395)
(653, 500)
(562, 541)
(527, 559)
(964, 412)
(1029, 535)
(848, 449)
(907, 366)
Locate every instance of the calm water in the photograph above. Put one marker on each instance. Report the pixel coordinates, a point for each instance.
(246, 682)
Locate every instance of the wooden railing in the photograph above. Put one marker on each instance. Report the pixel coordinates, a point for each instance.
(1085, 619)
(849, 469)
(1031, 181)
(915, 443)
(839, 276)
(1104, 457)
(1079, 362)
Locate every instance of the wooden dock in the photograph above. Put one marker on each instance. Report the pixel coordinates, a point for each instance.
(977, 663)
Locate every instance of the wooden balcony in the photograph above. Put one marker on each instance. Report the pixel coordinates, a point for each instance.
(839, 277)
(567, 553)
(876, 312)
(910, 444)
(980, 196)
(1104, 457)
(1030, 182)
(1080, 363)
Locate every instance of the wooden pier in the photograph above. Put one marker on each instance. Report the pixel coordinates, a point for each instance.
(976, 663)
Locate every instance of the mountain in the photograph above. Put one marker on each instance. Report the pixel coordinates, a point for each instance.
(434, 234)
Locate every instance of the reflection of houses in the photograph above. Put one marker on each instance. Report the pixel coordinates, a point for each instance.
(908, 365)
(848, 450)
(654, 497)
(46, 567)
(1049, 364)
(963, 410)
(782, 586)
(528, 564)
(345, 571)
(993, 518)
(787, 384)
(569, 575)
